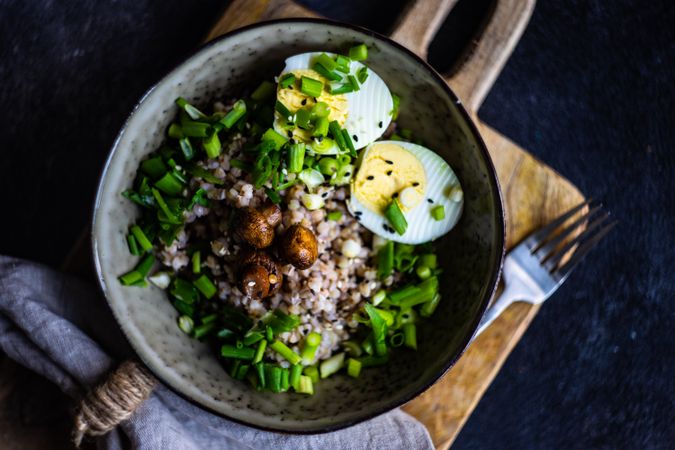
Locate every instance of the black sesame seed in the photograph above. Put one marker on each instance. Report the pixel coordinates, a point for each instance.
(289, 133)
(303, 102)
(370, 177)
(291, 141)
(389, 172)
(324, 195)
(290, 87)
(380, 124)
(395, 195)
(386, 228)
(415, 184)
(388, 162)
(355, 137)
(315, 100)
(430, 200)
(358, 213)
(347, 174)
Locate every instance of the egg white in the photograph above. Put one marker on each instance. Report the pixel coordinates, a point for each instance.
(442, 187)
(368, 109)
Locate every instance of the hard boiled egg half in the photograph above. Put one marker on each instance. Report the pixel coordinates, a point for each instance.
(424, 187)
(364, 112)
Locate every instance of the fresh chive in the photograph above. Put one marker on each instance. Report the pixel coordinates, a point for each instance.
(312, 372)
(378, 297)
(191, 111)
(129, 278)
(204, 330)
(328, 166)
(296, 373)
(269, 333)
(331, 365)
(404, 294)
(397, 103)
(196, 262)
(145, 265)
(285, 379)
(186, 324)
(237, 112)
(312, 342)
(296, 155)
(276, 138)
(348, 142)
(396, 218)
(303, 119)
(336, 132)
(362, 74)
(385, 260)
(438, 212)
(379, 326)
(205, 286)
(282, 322)
(260, 351)
(186, 148)
(428, 260)
(133, 245)
(354, 82)
(281, 109)
(260, 372)
(184, 291)
(195, 129)
(273, 377)
(305, 386)
(164, 207)
(169, 184)
(320, 127)
(342, 63)
(242, 165)
(154, 167)
(184, 308)
(212, 145)
(340, 88)
(423, 272)
(273, 196)
(334, 215)
(175, 131)
(427, 309)
(286, 80)
(231, 351)
(326, 61)
(320, 109)
(427, 290)
(141, 238)
(264, 91)
(374, 361)
(396, 339)
(352, 348)
(310, 86)
(332, 76)
(353, 367)
(359, 52)
(285, 352)
(410, 335)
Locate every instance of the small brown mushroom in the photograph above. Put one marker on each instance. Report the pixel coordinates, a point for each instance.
(272, 213)
(261, 276)
(299, 247)
(256, 227)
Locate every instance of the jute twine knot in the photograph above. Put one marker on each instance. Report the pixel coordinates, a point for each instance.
(114, 401)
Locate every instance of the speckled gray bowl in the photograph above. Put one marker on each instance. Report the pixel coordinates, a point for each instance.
(470, 255)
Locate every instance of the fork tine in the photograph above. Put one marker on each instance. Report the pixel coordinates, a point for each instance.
(545, 249)
(553, 260)
(539, 236)
(562, 272)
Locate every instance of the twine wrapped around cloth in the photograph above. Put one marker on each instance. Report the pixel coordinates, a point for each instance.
(114, 401)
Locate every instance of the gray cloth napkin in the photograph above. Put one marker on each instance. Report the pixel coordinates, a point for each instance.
(61, 328)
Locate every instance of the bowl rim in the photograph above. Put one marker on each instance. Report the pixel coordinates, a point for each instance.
(500, 237)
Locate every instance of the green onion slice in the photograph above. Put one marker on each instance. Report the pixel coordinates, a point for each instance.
(395, 216)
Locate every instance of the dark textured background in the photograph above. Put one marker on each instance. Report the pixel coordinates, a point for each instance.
(589, 90)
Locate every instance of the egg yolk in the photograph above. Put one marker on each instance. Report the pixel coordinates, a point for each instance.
(293, 99)
(385, 171)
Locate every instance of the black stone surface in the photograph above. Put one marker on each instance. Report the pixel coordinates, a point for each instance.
(589, 90)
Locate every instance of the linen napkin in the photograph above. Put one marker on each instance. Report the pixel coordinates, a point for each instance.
(61, 328)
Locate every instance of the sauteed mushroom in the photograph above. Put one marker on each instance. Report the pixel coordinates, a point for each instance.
(261, 276)
(299, 247)
(256, 227)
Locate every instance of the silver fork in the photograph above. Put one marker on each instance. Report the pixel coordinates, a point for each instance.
(535, 269)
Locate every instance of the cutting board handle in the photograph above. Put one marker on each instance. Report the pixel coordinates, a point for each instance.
(476, 74)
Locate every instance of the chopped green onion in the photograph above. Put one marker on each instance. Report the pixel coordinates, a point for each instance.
(225, 333)
(282, 322)
(334, 215)
(273, 136)
(344, 159)
(313, 339)
(354, 82)
(260, 372)
(342, 63)
(438, 212)
(175, 131)
(368, 345)
(169, 184)
(145, 265)
(343, 175)
(154, 167)
(296, 373)
(169, 215)
(353, 367)
(269, 333)
(397, 102)
(286, 80)
(305, 386)
(396, 340)
(212, 145)
(405, 316)
(242, 165)
(186, 148)
(348, 142)
(379, 326)
(186, 324)
(273, 196)
(374, 361)
(210, 318)
(362, 74)
(428, 260)
(199, 172)
(303, 119)
(195, 129)
(312, 201)
(320, 109)
(264, 91)
(204, 329)
(395, 216)
(296, 156)
(273, 377)
(133, 246)
(205, 286)
(312, 342)
(336, 132)
(285, 352)
(326, 61)
(340, 88)
(312, 372)
(385, 260)
(387, 315)
(184, 308)
(332, 76)
(404, 294)
(331, 365)
(281, 109)
(129, 278)
(423, 272)
(427, 290)
(378, 297)
(410, 335)
(320, 127)
(352, 348)
(237, 112)
(184, 291)
(260, 351)
(191, 111)
(285, 380)
(231, 351)
(359, 52)
(196, 262)
(312, 178)
(428, 308)
(141, 238)
(310, 86)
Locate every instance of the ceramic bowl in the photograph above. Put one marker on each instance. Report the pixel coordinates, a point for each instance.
(470, 255)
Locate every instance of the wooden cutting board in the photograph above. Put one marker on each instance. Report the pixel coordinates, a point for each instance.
(533, 193)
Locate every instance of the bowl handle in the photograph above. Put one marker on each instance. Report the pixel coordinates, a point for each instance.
(474, 76)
